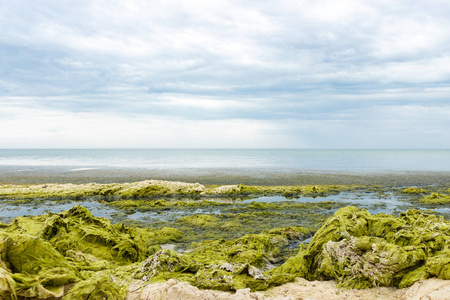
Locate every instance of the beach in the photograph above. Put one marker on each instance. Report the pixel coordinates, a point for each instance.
(223, 176)
(251, 241)
(225, 224)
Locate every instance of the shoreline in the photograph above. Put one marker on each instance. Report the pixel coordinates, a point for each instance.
(273, 177)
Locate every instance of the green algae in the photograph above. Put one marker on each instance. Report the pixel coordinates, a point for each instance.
(31, 267)
(202, 221)
(234, 225)
(42, 256)
(414, 190)
(222, 264)
(240, 249)
(78, 229)
(158, 189)
(142, 189)
(361, 250)
(78, 256)
(435, 198)
(100, 286)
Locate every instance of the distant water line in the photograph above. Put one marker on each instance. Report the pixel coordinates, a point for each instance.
(177, 159)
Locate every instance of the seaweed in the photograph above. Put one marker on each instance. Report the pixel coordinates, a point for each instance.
(435, 198)
(221, 264)
(158, 188)
(42, 256)
(361, 250)
(76, 255)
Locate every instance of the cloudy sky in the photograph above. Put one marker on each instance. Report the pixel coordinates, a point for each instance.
(224, 74)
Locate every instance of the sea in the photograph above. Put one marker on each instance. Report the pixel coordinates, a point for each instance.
(346, 161)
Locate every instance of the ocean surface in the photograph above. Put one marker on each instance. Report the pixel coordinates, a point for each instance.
(346, 161)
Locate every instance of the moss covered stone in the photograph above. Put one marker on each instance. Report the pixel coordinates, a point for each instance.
(42, 256)
(436, 198)
(361, 250)
(414, 190)
(158, 189)
(201, 221)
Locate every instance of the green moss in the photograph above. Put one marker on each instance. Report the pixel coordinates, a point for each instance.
(33, 268)
(439, 265)
(293, 267)
(436, 198)
(361, 250)
(415, 191)
(291, 233)
(43, 255)
(100, 286)
(218, 264)
(158, 188)
(147, 189)
(201, 221)
(165, 262)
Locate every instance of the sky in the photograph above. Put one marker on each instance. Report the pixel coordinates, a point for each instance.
(225, 74)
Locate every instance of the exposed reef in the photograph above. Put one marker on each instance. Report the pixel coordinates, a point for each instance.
(75, 255)
(361, 250)
(158, 189)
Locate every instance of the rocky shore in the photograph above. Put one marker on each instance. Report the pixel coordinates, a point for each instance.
(352, 254)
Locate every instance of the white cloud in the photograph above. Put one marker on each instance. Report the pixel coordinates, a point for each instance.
(56, 129)
(286, 73)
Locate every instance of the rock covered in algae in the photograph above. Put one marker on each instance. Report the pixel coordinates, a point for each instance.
(414, 190)
(157, 189)
(221, 264)
(31, 267)
(78, 229)
(361, 250)
(41, 257)
(436, 198)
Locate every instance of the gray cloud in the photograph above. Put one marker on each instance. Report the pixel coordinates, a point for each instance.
(343, 64)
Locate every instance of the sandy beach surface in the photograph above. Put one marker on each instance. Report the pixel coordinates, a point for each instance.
(301, 289)
(221, 176)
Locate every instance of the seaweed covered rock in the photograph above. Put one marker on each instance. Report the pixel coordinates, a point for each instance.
(77, 229)
(166, 261)
(254, 249)
(41, 257)
(436, 198)
(100, 286)
(200, 221)
(140, 189)
(361, 250)
(31, 267)
(221, 264)
(414, 190)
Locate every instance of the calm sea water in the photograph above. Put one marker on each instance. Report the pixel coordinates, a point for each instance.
(295, 160)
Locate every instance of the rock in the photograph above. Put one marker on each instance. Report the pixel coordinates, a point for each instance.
(361, 250)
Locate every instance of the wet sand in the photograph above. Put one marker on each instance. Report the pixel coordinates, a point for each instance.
(222, 176)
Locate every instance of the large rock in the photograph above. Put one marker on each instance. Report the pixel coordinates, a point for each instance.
(361, 250)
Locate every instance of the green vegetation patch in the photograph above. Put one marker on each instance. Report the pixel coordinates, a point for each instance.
(435, 198)
(360, 250)
(414, 190)
(223, 264)
(237, 219)
(43, 256)
(158, 189)
(78, 256)
(141, 189)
